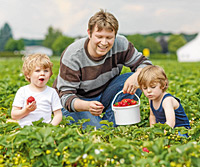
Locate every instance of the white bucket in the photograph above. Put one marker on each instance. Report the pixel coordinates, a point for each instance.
(126, 115)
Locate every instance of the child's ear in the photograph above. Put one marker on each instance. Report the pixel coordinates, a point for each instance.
(166, 83)
(165, 86)
(28, 76)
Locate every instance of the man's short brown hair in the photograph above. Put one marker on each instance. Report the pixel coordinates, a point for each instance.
(103, 19)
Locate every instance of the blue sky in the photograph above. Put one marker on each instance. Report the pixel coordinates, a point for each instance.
(31, 18)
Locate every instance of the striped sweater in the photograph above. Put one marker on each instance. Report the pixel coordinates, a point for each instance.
(80, 75)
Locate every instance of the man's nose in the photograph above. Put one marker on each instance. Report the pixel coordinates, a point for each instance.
(104, 41)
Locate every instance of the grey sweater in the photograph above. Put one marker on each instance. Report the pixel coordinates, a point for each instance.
(80, 75)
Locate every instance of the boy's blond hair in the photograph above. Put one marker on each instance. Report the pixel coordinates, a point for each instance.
(153, 74)
(33, 60)
(105, 20)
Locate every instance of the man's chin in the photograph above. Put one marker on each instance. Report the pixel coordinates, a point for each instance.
(102, 53)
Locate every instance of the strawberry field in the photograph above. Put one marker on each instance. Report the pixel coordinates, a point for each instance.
(135, 145)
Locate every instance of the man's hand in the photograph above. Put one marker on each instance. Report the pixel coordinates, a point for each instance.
(131, 84)
(94, 107)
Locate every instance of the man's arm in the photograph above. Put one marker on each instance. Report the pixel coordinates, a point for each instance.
(94, 107)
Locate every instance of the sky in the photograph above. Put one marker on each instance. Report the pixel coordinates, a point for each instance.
(31, 19)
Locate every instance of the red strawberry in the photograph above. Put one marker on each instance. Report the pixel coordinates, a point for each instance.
(133, 102)
(124, 104)
(145, 149)
(116, 104)
(120, 103)
(30, 99)
(128, 100)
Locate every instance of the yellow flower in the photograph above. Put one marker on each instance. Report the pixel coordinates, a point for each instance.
(58, 153)
(48, 151)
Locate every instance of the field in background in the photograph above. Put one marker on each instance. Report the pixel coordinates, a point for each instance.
(45, 145)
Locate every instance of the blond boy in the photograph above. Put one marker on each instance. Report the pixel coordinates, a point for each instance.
(164, 107)
(37, 69)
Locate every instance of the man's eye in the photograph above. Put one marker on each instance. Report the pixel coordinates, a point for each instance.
(109, 37)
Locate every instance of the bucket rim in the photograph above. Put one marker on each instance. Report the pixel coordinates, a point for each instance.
(113, 107)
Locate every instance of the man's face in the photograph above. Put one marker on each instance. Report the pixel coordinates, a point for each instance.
(100, 42)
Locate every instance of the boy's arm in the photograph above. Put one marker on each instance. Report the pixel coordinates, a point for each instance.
(57, 118)
(18, 113)
(152, 118)
(168, 107)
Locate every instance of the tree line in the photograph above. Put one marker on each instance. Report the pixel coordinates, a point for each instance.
(57, 41)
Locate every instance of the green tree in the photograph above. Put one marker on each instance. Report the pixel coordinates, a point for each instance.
(5, 35)
(137, 40)
(163, 44)
(153, 45)
(175, 42)
(13, 45)
(51, 36)
(61, 43)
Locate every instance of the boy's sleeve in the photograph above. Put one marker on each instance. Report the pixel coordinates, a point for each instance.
(56, 104)
(19, 99)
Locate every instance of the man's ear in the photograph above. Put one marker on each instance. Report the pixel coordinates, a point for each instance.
(89, 35)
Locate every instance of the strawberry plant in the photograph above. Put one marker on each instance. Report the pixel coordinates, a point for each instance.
(135, 145)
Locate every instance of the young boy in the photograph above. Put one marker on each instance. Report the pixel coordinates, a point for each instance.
(164, 107)
(37, 69)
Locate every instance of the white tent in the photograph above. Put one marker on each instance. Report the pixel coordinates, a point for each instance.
(190, 52)
(38, 49)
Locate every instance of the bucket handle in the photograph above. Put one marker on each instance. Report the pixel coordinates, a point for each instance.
(122, 92)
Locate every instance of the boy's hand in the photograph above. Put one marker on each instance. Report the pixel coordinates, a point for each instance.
(31, 106)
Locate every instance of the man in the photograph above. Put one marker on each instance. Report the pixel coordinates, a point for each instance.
(89, 75)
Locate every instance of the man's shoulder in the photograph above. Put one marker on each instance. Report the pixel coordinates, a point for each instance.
(121, 42)
(77, 44)
(120, 37)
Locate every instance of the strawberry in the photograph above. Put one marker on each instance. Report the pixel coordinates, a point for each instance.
(116, 104)
(30, 99)
(133, 102)
(145, 149)
(124, 100)
(124, 104)
(128, 100)
(120, 103)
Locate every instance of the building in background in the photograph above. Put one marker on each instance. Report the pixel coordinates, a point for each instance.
(190, 52)
(37, 49)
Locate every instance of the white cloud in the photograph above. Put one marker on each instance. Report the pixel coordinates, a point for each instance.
(31, 19)
(132, 8)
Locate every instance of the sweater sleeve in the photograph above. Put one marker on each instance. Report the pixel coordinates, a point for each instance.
(136, 59)
(67, 81)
